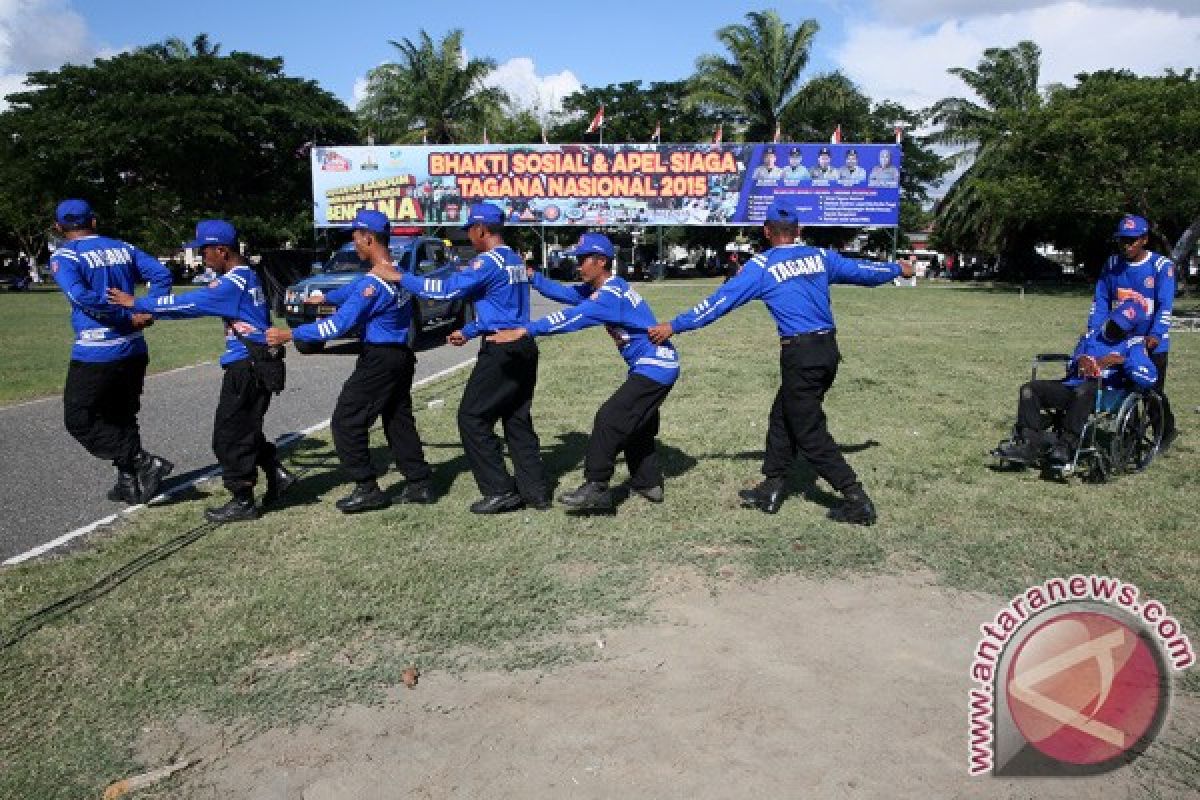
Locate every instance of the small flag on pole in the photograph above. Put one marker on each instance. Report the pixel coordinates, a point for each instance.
(485, 137)
(657, 135)
(544, 134)
(597, 121)
(899, 133)
(778, 133)
(837, 135)
(720, 134)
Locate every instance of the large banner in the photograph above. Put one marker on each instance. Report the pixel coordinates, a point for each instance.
(622, 184)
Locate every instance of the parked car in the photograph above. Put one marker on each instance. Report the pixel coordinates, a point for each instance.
(421, 255)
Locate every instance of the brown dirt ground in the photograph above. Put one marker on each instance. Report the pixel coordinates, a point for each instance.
(849, 688)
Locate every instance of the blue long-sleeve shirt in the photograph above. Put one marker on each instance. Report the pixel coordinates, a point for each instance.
(793, 281)
(622, 310)
(383, 312)
(1137, 368)
(85, 269)
(1150, 281)
(495, 281)
(237, 297)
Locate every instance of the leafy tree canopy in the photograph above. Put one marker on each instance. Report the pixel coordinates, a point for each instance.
(160, 137)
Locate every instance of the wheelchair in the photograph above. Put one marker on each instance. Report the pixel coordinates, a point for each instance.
(1122, 434)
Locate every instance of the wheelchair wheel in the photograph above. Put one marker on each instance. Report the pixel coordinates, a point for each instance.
(1136, 435)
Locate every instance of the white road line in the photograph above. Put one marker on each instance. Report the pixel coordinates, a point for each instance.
(283, 441)
(58, 397)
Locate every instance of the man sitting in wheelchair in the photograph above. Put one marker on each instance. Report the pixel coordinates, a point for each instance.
(1107, 357)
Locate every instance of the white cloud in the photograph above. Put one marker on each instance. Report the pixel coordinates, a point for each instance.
(39, 35)
(908, 64)
(923, 11)
(359, 93)
(538, 93)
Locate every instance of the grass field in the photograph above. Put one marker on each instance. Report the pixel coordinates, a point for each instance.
(36, 330)
(307, 609)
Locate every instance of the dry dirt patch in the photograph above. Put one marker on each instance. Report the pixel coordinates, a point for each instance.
(784, 688)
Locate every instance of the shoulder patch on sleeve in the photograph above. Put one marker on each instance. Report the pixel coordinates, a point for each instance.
(368, 290)
(477, 262)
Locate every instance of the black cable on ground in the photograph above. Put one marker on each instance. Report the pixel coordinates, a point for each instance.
(38, 619)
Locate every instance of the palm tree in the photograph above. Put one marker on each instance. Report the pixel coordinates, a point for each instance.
(760, 79)
(1006, 85)
(433, 93)
(177, 49)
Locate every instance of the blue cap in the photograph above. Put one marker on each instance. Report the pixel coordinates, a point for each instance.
(213, 231)
(779, 211)
(368, 219)
(1131, 227)
(592, 244)
(73, 212)
(1128, 315)
(485, 214)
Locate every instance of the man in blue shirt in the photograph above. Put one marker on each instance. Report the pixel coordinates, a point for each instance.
(1111, 355)
(502, 383)
(1136, 273)
(381, 383)
(103, 392)
(793, 281)
(237, 298)
(628, 421)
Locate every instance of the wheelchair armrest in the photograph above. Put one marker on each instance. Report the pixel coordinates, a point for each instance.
(1048, 358)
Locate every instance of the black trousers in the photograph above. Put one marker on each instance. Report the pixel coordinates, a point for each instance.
(501, 388)
(808, 365)
(101, 401)
(238, 440)
(1037, 396)
(1160, 364)
(381, 385)
(628, 422)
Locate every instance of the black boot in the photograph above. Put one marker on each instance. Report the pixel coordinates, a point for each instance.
(591, 496)
(856, 508)
(150, 471)
(498, 503)
(367, 496)
(279, 480)
(766, 497)
(126, 489)
(419, 492)
(654, 494)
(239, 508)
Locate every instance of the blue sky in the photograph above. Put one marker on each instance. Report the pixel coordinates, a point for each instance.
(620, 40)
(894, 49)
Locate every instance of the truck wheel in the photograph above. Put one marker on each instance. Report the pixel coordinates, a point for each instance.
(308, 348)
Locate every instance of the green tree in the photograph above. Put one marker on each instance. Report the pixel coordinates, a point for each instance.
(631, 112)
(1115, 143)
(1006, 85)
(433, 93)
(162, 136)
(758, 81)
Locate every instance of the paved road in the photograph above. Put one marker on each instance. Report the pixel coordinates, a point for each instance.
(49, 485)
